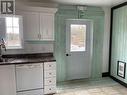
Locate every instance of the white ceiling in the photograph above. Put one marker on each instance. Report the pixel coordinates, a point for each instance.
(83, 2)
(92, 2)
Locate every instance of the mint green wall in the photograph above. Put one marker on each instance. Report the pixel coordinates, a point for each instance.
(64, 12)
(97, 15)
(119, 40)
(70, 12)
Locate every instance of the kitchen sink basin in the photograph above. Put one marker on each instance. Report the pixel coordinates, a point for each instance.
(5, 60)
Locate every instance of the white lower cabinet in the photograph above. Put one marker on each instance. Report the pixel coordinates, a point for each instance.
(29, 76)
(50, 66)
(32, 92)
(50, 89)
(28, 79)
(7, 80)
(49, 73)
(50, 81)
(49, 77)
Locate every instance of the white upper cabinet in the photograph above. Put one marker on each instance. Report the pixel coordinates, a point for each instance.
(38, 23)
(47, 26)
(30, 25)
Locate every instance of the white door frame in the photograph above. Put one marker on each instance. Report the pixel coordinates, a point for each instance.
(89, 24)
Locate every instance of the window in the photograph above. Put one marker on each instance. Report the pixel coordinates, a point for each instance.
(78, 38)
(13, 33)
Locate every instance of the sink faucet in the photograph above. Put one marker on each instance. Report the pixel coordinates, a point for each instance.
(2, 46)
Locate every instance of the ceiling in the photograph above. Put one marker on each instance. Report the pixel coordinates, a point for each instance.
(83, 2)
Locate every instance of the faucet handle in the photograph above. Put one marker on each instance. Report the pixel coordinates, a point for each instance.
(2, 41)
(3, 44)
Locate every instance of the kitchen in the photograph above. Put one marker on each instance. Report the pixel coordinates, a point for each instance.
(35, 46)
(29, 71)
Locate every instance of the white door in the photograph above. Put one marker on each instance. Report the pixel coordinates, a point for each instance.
(78, 48)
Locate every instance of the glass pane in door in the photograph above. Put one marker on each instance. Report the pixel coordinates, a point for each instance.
(78, 38)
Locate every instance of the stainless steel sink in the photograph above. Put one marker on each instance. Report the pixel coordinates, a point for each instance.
(6, 60)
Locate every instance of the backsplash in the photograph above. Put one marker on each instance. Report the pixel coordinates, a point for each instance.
(31, 48)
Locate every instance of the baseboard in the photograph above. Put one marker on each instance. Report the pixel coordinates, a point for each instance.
(119, 81)
(105, 74)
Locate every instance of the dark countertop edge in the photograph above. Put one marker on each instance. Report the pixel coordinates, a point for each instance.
(16, 63)
(30, 55)
(47, 57)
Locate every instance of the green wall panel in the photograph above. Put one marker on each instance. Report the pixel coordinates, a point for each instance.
(70, 12)
(119, 40)
(60, 41)
(97, 16)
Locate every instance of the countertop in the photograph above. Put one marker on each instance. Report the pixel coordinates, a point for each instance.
(27, 58)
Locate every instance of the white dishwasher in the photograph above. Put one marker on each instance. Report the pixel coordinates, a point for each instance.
(29, 79)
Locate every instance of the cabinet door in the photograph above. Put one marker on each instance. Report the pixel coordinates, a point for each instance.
(29, 76)
(7, 80)
(30, 25)
(47, 26)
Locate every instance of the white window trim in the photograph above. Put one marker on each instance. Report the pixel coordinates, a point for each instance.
(20, 33)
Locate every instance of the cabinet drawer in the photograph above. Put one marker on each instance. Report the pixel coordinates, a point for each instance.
(49, 73)
(49, 89)
(49, 65)
(50, 81)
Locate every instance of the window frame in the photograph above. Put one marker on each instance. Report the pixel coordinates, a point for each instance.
(20, 32)
(84, 37)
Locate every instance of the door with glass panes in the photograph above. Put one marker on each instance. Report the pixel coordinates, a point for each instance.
(78, 48)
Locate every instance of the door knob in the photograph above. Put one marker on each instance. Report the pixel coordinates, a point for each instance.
(68, 54)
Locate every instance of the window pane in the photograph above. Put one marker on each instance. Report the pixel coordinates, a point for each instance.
(13, 39)
(12, 21)
(15, 22)
(9, 38)
(8, 21)
(16, 30)
(9, 30)
(78, 38)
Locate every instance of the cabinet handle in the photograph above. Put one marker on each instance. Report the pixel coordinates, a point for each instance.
(50, 81)
(47, 32)
(38, 36)
(50, 73)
